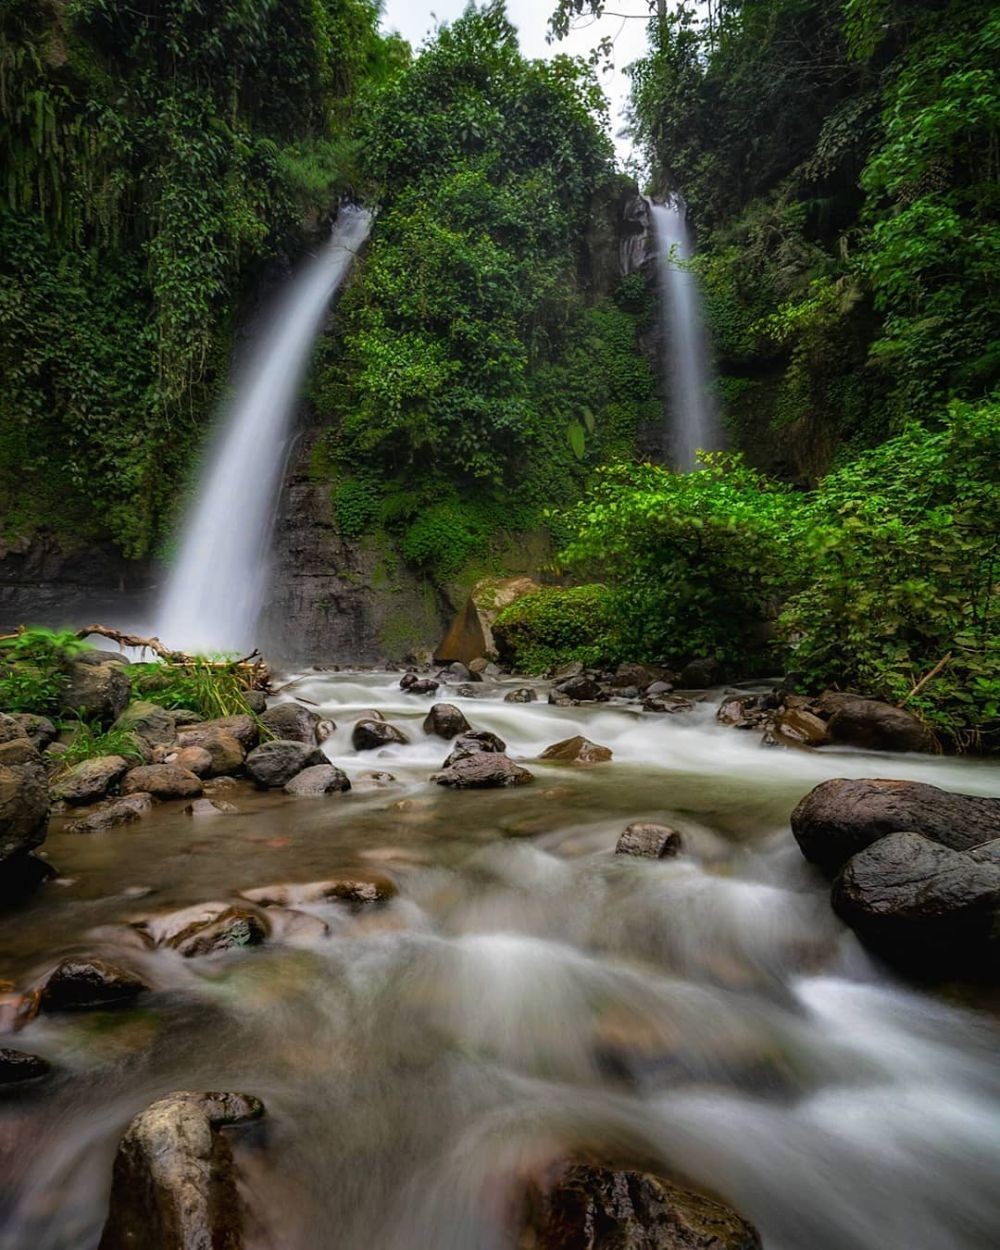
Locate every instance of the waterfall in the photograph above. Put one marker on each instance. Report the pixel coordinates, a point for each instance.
(216, 587)
(693, 421)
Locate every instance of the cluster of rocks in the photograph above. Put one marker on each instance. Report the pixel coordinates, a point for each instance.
(916, 871)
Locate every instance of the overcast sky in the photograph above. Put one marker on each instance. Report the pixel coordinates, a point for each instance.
(415, 19)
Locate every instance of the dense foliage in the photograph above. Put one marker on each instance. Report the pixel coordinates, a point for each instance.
(154, 154)
(478, 378)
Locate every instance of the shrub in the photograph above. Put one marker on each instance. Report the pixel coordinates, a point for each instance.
(552, 627)
(34, 667)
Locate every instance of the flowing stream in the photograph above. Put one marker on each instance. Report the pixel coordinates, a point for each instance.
(692, 418)
(217, 584)
(527, 994)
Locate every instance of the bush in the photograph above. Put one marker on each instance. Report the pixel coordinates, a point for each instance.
(34, 666)
(552, 627)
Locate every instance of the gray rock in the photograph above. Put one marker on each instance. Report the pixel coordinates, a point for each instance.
(369, 735)
(581, 689)
(98, 688)
(446, 721)
(472, 743)
(90, 780)
(485, 770)
(174, 1183)
(82, 984)
(273, 764)
(841, 817)
(649, 841)
(150, 721)
(318, 779)
(291, 722)
(113, 812)
(39, 730)
(162, 781)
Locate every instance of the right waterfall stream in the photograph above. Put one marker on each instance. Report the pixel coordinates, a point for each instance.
(692, 420)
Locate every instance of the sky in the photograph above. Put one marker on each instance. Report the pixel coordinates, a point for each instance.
(415, 19)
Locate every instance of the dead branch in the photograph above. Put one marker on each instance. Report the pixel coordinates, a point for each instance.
(134, 640)
(926, 678)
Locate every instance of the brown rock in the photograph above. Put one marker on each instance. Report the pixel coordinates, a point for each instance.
(649, 841)
(369, 735)
(196, 760)
(98, 689)
(208, 929)
(874, 726)
(242, 727)
(445, 720)
(485, 770)
(799, 727)
(224, 748)
(162, 781)
(577, 750)
(358, 890)
(113, 812)
(80, 984)
(91, 779)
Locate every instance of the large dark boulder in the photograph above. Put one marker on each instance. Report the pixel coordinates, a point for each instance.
(841, 817)
(87, 983)
(98, 687)
(369, 735)
(292, 722)
(483, 770)
(446, 721)
(872, 725)
(174, 1184)
(474, 743)
(582, 1207)
(92, 779)
(273, 764)
(581, 688)
(932, 908)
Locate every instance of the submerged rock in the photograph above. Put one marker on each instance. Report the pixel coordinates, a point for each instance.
(357, 890)
(484, 770)
(933, 908)
(90, 780)
(446, 721)
(174, 1184)
(207, 929)
(273, 764)
(577, 750)
(649, 841)
(369, 735)
(293, 723)
(17, 1066)
(162, 781)
(523, 694)
(318, 779)
(87, 983)
(113, 812)
(583, 1207)
(841, 817)
(474, 743)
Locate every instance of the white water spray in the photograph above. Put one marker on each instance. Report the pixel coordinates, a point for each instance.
(215, 590)
(693, 419)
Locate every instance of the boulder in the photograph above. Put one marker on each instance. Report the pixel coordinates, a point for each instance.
(667, 703)
(113, 812)
(935, 909)
(795, 726)
(174, 1182)
(659, 688)
(445, 720)
(151, 722)
(242, 727)
(273, 764)
(472, 743)
(579, 1206)
(291, 722)
(162, 781)
(639, 675)
(874, 726)
(465, 640)
(423, 685)
(368, 713)
(39, 730)
(318, 779)
(484, 770)
(196, 760)
(207, 929)
(458, 672)
(470, 636)
(581, 689)
(524, 694)
(98, 687)
(24, 800)
(17, 1066)
(649, 841)
(369, 735)
(225, 749)
(841, 817)
(90, 780)
(577, 750)
(700, 674)
(85, 983)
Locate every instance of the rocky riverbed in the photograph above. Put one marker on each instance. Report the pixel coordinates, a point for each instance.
(491, 963)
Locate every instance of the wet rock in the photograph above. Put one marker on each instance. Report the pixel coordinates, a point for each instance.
(639, 675)
(369, 713)
(318, 779)
(84, 983)
(150, 721)
(649, 841)
(408, 679)
(423, 686)
(357, 890)
(468, 691)
(174, 1184)
(208, 929)
(113, 812)
(273, 764)
(17, 1066)
(24, 802)
(581, 689)
(39, 730)
(925, 905)
(457, 672)
(583, 1207)
(841, 817)
(799, 727)
(291, 722)
(369, 735)
(374, 780)
(196, 760)
(478, 667)
(472, 743)
(524, 694)
(21, 875)
(91, 779)
(211, 807)
(242, 727)
(226, 750)
(874, 726)
(445, 720)
(162, 781)
(667, 703)
(700, 674)
(484, 770)
(747, 711)
(98, 687)
(656, 688)
(558, 699)
(576, 750)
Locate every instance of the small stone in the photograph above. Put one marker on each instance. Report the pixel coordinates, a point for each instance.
(211, 807)
(81, 984)
(318, 779)
(424, 686)
(649, 841)
(225, 750)
(577, 750)
(668, 704)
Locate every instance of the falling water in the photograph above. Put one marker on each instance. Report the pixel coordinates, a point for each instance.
(693, 422)
(216, 587)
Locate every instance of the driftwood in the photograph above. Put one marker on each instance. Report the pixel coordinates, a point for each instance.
(250, 668)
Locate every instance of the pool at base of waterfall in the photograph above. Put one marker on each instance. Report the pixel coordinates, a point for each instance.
(508, 992)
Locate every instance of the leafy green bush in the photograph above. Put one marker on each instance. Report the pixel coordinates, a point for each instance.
(34, 667)
(551, 627)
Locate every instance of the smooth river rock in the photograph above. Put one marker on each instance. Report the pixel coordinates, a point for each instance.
(370, 734)
(273, 764)
(88, 983)
(318, 779)
(224, 748)
(162, 781)
(649, 841)
(577, 750)
(446, 721)
(292, 722)
(485, 770)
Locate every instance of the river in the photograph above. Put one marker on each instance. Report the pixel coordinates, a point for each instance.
(526, 994)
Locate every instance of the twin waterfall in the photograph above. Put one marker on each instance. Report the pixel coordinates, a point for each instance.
(217, 584)
(692, 418)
